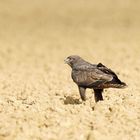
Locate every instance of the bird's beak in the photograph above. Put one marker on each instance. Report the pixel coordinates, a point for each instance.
(66, 61)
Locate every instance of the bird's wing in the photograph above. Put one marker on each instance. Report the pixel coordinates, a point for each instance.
(106, 70)
(87, 76)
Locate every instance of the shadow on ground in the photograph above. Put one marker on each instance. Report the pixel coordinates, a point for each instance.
(71, 100)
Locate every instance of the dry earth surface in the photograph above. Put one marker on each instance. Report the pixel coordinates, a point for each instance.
(38, 99)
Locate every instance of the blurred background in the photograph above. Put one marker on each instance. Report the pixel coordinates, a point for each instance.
(62, 27)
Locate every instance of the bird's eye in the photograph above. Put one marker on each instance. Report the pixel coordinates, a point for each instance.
(69, 58)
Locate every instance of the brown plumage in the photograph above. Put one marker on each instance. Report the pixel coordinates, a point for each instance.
(97, 77)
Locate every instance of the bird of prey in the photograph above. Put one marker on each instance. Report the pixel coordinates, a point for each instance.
(97, 77)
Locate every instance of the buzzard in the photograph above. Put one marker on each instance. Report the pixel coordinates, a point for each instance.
(97, 77)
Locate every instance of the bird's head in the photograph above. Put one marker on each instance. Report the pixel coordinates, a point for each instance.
(73, 59)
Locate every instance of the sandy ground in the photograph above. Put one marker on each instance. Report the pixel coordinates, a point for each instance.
(38, 99)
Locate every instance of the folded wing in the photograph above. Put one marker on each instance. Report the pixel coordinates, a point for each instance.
(90, 76)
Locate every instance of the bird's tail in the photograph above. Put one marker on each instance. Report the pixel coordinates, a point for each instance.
(115, 83)
(119, 85)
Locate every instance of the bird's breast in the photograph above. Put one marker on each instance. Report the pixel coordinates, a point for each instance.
(79, 77)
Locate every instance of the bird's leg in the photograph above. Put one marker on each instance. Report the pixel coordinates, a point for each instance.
(98, 94)
(82, 93)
